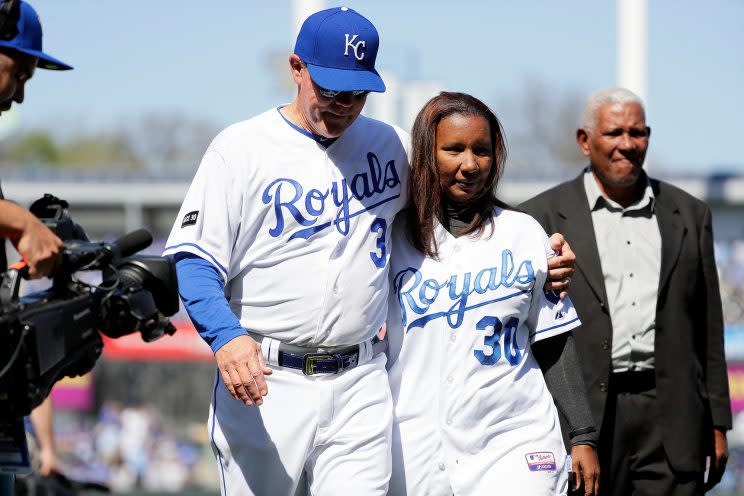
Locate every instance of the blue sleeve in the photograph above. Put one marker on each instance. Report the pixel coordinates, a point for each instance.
(202, 292)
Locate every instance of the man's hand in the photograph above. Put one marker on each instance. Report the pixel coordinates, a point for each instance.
(242, 367)
(49, 465)
(718, 458)
(39, 246)
(586, 467)
(42, 421)
(560, 267)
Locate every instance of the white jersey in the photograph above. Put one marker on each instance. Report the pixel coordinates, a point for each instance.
(299, 232)
(473, 415)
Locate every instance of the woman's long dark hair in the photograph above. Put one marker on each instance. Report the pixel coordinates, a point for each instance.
(425, 192)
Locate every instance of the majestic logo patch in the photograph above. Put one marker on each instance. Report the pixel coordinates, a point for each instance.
(540, 460)
(190, 219)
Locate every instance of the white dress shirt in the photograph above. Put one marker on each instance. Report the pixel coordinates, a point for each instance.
(629, 246)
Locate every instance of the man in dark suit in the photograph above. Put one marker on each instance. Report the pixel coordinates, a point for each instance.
(646, 290)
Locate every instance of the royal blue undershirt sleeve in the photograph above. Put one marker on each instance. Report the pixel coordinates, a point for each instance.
(203, 295)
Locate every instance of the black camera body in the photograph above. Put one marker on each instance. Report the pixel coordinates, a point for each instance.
(54, 333)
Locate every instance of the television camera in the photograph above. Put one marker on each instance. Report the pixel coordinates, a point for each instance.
(50, 334)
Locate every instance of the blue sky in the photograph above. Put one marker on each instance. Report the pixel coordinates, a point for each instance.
(182, 57)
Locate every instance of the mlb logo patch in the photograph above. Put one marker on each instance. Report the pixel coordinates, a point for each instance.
(190, 219)
(540, 460)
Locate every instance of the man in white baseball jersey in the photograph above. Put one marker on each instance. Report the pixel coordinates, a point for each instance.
(283, 246)
(290, 211)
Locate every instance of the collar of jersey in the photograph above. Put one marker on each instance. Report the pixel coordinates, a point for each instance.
(321, 140)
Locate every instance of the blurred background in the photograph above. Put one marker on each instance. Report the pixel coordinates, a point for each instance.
(121, 136)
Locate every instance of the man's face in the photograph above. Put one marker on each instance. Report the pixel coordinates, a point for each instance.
(15, 69)
(617, 145)
(328, 117)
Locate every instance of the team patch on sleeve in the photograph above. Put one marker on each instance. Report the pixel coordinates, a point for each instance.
(190, 219)
(540, 460)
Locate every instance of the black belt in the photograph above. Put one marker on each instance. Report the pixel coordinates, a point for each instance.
(633, 381)
(332, 361)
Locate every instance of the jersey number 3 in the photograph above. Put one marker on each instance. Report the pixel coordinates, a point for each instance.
(511, 348)
(378, 257)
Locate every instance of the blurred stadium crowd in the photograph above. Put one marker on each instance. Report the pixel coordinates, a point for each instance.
(730, 260)
(132, 448)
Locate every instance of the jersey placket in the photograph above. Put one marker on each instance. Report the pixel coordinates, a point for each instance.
(332, 293)
(452, 344)
(463, 345)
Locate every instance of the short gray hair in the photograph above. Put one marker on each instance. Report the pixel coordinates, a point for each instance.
(605, 96)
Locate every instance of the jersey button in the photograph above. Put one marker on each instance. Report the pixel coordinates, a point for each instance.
(605, 344)
(449, 421)
(603, 387)
(441, 466)
(453, 337)
(449, 379)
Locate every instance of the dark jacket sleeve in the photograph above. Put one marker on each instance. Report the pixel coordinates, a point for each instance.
(716, 373)
(559, 363)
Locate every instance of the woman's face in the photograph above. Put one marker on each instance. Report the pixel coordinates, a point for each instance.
(464, 153)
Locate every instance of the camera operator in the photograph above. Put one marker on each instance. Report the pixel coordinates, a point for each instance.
(20, 55)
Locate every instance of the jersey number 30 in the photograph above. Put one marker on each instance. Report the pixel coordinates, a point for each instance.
(378, 257)
(511, 348)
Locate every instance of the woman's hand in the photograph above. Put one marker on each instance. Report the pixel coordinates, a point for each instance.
(560, 267)
(586, 467)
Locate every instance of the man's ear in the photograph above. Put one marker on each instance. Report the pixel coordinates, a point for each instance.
(295, 64)
(582, 138)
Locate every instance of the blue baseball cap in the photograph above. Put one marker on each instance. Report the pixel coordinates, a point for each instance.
(28, 39)
(339, 47)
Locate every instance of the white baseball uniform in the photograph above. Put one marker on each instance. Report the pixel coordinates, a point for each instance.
(300, 234)
(472, 414)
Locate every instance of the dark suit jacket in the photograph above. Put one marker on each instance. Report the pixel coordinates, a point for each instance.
(3, 259)
(691, 379)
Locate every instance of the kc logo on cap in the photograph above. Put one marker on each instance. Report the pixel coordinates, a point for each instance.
(339, 47)
(349, 43)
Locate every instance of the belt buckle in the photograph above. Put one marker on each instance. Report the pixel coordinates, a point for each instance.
(308, 362)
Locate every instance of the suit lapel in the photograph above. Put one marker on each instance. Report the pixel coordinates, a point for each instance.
(579, 231)
(672, 232)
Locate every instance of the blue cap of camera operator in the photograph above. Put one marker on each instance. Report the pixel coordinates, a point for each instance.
(28, 37)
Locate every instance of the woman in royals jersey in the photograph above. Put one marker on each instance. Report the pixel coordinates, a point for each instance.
(478, 350)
